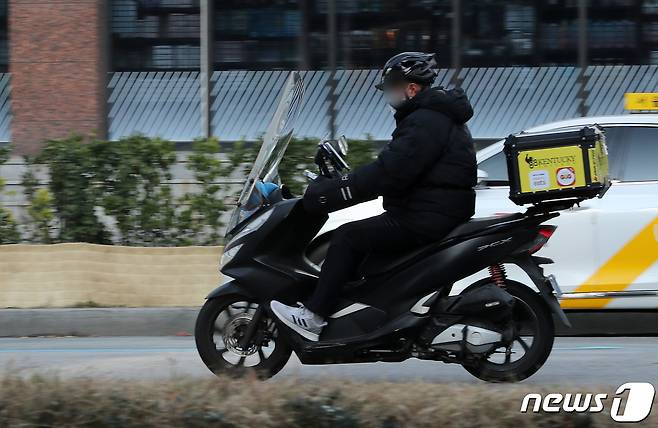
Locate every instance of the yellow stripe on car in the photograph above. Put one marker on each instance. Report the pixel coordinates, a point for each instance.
(621, 270)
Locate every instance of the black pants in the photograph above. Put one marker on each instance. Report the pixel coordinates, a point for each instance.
(350, 243)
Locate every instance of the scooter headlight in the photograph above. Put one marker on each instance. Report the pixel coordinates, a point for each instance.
(230, 250)
(252, 226)
(228, 255)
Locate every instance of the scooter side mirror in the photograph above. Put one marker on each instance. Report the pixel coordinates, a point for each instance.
(343, 146)
(340, 145)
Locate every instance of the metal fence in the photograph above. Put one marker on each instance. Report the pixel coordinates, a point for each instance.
(5, 111)
(165, 104)
(606, 85)
(505, 100)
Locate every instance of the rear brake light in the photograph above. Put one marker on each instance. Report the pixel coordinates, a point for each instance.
(545, 233)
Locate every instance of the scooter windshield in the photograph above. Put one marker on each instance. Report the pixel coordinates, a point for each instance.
(275, 142)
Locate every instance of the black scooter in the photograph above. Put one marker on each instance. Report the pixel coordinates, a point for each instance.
(398, 307)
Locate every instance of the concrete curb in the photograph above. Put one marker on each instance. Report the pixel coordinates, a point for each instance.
(180, 321)
(609, 323)
(97, 322)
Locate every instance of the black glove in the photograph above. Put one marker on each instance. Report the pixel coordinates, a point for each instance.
(325, 195)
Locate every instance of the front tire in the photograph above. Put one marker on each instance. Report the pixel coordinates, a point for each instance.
(220, 328)
(531, 316)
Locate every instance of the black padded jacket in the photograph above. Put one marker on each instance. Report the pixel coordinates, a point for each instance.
(427, 172)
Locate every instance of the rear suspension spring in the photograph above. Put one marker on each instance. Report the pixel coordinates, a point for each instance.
(498, 274)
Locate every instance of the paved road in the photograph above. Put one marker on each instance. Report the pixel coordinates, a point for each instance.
(578, 361)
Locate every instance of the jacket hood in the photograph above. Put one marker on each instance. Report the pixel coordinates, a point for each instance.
(451, 102)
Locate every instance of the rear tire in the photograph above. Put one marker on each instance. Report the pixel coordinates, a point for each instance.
(537, 353)
(219, 327)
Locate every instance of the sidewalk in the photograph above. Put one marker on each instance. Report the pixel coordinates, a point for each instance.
(98, 322)
(180, 321)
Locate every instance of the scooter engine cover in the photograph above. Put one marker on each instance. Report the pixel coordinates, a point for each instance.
(457, 334)
(486, 302)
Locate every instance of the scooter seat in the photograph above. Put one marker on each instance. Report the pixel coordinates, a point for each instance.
(382, 262)
(476, 224)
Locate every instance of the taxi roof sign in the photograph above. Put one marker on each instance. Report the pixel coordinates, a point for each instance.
(641, 101)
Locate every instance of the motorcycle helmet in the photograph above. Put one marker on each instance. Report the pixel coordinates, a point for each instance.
(415, 67)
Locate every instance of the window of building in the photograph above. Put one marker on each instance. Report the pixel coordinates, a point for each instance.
(285, 34)
(155, 35)
(498, 32)
(257, 34)
(370, 32)
(292, 34)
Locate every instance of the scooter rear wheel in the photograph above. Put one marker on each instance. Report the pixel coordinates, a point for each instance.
(220, 332)
(531, 346)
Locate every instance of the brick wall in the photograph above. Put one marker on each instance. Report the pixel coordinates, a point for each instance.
(58, 70)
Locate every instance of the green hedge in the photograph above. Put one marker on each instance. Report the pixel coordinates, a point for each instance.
(127, 182)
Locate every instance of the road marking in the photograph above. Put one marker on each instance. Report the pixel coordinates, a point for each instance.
(589, 348)
(621, 270)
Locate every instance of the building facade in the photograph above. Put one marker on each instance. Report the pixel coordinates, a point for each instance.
(71, 63)
(292, 34)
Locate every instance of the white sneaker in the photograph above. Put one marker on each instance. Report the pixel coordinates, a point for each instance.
(300, 319)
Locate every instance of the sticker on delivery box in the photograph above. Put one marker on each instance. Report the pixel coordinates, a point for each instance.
(539, 180)
(566, 176)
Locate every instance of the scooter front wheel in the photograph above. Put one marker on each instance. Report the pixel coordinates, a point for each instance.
(235, 336)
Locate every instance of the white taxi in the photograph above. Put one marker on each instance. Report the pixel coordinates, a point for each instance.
(605, 250)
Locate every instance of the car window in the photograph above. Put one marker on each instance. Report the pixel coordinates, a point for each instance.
(613, 136)
(638, 162)
(632, 155)
(496, 169)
